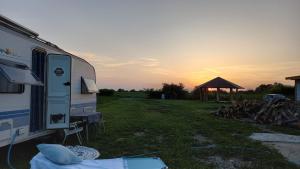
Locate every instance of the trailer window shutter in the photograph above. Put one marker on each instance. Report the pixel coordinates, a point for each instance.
(7, 87)
(17, 75)
(88, 86)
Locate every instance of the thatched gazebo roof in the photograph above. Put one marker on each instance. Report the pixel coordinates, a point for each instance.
(219, 82)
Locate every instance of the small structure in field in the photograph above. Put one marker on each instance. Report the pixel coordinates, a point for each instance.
(217, 83)
(297, 90)
(297, 87)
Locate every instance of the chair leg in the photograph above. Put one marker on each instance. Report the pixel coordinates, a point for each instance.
(79, 138)
(74, 129)
(65, 137)
(87, 132)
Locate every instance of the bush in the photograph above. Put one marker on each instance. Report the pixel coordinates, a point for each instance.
(276, 88)
(195, 93)
(106, 92)
(153, 94)
(122, 90)
(174, 91)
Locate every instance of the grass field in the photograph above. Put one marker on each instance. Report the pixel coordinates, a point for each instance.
(135, 125)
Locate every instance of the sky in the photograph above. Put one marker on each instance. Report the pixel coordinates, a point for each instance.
(142, 44)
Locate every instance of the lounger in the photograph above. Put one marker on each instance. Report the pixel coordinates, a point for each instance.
(41, 162)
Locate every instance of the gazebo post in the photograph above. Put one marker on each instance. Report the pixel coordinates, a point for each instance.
(218, 94)
(201, 94)
(231, 97)
(206, 94)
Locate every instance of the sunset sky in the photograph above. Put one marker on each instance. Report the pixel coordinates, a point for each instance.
(143, 43)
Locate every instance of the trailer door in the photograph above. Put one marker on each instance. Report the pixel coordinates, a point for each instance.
(58, 91)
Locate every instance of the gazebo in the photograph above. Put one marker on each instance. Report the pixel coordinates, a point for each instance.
(217, 83)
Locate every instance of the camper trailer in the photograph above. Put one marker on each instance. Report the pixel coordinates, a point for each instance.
(41, 85)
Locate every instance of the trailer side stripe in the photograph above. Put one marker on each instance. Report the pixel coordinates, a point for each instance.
(13, 114)
(79, 105)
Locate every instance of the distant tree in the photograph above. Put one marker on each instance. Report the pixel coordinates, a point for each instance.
(247, 92)
(106, 92)
(121, 90)
(132, 90)
(153, 94)
(282, 89)
(195, 94)
(277, 88)
(174, 91)
(263, 88)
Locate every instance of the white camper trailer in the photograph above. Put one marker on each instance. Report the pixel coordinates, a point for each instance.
(41, 85)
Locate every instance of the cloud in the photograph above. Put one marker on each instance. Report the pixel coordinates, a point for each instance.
(149, 62)
(93, 58)
(113, 63)
(118, 64)
(159, 71)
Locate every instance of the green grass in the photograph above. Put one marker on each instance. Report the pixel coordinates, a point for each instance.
(135, 125)
(136, 94)
(177, 121)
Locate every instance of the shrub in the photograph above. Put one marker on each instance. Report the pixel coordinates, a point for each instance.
(174, 91)
(276, 88)
(122, 90)
(153, 94)
(106, 92)
(195, 94)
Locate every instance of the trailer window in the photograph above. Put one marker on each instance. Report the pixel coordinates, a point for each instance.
(7, 87)
(16, 75)
(88, 86)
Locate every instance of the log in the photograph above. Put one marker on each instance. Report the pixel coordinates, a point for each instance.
(277, 111)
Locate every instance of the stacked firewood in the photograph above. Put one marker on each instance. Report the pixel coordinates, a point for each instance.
(276, 111)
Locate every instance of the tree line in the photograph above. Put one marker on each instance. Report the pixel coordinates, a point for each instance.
(178, 91)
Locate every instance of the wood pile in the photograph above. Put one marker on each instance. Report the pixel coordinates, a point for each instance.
(276, 111)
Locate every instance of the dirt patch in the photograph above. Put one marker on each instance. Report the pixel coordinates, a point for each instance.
(139, 134)
(201, 142)
(232, 163)
(160, 139)
(200, 139)
(121, 139)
